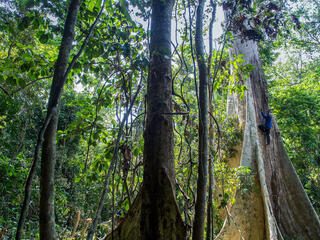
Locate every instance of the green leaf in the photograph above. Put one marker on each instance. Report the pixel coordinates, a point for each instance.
(25, 66)
(44, 38)
(35, 23)
(11, 80)
(21, 82)
(77, 179)
(124, 10)
(91, 5)
(24, 23)
(10, 29)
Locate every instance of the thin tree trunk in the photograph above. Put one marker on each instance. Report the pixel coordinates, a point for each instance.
(200, 206)
(210, 214)
(61, 74)
(112, 165)
(47, 216)
(28, 186)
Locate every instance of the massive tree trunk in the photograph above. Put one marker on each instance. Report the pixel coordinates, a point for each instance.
(160, 218)
(47, 216)
(200, 205)
(155, 214)
(280, 209)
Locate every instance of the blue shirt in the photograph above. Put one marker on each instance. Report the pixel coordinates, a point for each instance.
(268, 120)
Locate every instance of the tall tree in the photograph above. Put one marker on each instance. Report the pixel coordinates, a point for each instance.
(280, 209)
(159, 172)
(155, 214)
(210, 219)
(47, 216)
(200, 206)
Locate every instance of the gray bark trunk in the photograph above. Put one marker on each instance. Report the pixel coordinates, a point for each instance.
(200, 205)
(47, 217)
(281, 209)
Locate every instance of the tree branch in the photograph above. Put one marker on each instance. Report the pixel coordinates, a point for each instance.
(85, 42)
(112, 164)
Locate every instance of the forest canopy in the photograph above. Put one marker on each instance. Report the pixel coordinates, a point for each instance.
(140, 118)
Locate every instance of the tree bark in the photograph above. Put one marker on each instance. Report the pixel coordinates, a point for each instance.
(160, 218)
(210, 213)
(28, 186)
(200, 206)
(47, 217)
(280, 209)
(154, 213)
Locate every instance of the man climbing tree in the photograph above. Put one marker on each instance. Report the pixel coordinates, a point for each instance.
(282, 208)
(268, 124)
